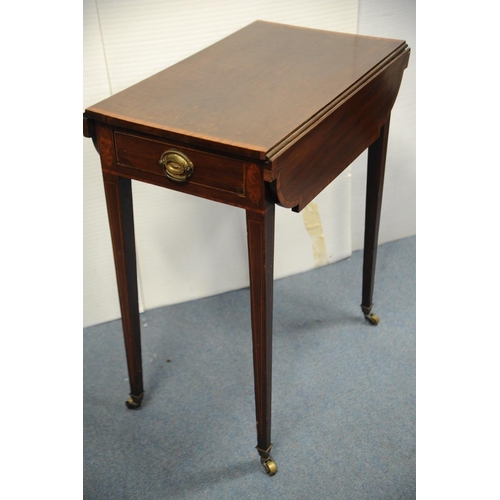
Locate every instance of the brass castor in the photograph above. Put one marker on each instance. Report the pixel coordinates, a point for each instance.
(373, 319)
(134, 402)
(267, 461)
(270, 466)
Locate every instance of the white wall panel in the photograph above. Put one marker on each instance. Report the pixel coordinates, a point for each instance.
(100, 301)
(189, 247)
(391, 19)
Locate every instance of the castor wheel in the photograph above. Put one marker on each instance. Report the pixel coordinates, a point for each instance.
(270, 466)
(267, 461)
(373, 319)
(131, 404)
(134, 402)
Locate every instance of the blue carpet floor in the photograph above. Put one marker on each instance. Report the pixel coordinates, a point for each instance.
(343, 394)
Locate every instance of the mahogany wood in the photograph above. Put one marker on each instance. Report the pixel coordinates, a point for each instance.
(249, 92)
(213, 171)
(118, 191)
(320, 154)
(260, 230)
(269, 115)
(377, 153)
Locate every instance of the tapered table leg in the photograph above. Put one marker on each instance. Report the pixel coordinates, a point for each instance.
(120, 213)
(374, 186)
(260, 230)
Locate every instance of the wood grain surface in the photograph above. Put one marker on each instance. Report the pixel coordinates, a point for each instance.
(249, 92)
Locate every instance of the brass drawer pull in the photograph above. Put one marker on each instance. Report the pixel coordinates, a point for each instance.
(176, 165)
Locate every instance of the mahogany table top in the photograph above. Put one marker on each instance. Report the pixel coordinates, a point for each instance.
(250, 92)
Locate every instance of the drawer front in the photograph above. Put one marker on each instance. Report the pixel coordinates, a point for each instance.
(206, 170)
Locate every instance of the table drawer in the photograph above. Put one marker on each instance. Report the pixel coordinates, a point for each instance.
(208, 170)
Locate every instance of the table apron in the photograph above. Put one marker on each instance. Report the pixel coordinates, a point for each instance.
(226, 180)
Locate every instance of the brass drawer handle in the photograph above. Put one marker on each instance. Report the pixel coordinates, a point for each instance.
(176, 165)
